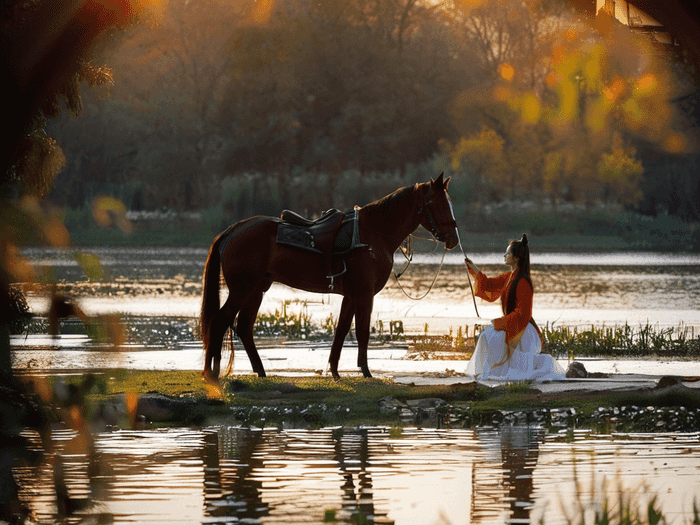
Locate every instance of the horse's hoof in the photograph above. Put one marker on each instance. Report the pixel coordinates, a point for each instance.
(366, 373)
(336, 376)
(209, 377)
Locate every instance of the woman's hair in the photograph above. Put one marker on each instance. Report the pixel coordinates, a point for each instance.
(521, 250)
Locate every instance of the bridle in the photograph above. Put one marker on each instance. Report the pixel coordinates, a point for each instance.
(435, 226)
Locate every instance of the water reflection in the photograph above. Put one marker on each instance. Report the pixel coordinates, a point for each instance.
(230, 474)
(519, 453)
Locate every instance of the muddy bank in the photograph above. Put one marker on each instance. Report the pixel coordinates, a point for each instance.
(670, 407)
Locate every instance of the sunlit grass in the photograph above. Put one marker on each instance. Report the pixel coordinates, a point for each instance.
(622, 341)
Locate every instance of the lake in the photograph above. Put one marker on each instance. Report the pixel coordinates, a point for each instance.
(157, 294)
(413, 476)
(570, 289)
(230, 474)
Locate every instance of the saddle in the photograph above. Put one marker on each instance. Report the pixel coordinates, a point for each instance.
(333, 233)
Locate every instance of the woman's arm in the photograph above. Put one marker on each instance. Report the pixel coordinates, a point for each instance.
(487, 288)
(473, 268)
(517, 320)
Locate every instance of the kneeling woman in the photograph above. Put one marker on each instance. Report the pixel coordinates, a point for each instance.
(510, 348)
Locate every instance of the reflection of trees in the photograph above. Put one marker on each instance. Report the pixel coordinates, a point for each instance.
(52, 470)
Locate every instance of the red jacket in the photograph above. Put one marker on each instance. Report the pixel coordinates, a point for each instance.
(514, 323)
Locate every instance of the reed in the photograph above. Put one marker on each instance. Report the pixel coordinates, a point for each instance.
(646, 340)
(285, 322)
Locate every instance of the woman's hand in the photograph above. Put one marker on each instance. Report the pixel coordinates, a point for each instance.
(471, 265)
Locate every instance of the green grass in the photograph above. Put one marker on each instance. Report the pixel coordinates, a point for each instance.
(644, 341)
(316, 401)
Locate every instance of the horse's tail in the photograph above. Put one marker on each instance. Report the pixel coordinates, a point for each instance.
(210, 291)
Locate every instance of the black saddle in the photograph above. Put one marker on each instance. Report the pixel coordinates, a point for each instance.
(332, 233)
(328, 216)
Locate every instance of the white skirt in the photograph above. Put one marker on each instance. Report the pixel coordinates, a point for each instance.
(526, 362)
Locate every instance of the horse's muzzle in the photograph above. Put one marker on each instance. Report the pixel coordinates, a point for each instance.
(451, 240)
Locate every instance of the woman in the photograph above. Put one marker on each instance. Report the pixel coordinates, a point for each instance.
(510, 348)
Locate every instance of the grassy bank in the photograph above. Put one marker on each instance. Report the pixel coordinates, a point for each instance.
(314, 401)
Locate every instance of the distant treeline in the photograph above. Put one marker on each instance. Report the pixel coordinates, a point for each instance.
(482, 226)
(232, 110)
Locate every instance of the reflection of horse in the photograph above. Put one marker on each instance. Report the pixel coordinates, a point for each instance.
(251, 260)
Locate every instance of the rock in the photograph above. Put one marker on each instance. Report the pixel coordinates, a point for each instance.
(389, 405)
(576, 370)
(667, 381)
(160, 408)
(427, 403)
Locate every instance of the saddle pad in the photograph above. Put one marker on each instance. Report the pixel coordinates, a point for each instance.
(343, 239)
(297, 236)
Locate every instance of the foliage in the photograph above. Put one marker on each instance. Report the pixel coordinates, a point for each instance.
(622, 341)
(284, 323)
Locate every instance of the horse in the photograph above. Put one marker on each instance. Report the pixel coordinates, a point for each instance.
(250, 258)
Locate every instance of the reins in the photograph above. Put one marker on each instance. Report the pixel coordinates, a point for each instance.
(396, 276)
(408, 251)
(470, 280)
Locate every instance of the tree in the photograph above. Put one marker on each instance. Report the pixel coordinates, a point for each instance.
(569, 107)
(619, 174)
(46, 52)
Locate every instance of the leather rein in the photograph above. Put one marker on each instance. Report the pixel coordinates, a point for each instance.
(435, 231)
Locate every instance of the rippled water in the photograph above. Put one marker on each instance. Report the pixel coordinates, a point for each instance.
(157, 294)
(569, 288)
(224, 474)
(418, 476)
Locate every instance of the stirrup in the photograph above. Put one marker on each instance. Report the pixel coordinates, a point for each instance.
(333, 276)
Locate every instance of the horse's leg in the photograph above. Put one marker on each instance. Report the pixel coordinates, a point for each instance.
(347, 310)
(219, 324)
(244, 329)
(363, 314)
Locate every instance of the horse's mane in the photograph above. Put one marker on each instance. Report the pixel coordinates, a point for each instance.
(393, 203)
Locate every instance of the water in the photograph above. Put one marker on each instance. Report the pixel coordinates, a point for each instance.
(156, 292)
(571, 289)
(226, 474)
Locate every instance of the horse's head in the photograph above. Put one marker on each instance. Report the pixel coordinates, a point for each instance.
(436, 212)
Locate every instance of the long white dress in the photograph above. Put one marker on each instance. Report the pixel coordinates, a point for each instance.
(526, 363)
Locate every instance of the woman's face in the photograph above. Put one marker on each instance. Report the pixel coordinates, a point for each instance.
(509, 259)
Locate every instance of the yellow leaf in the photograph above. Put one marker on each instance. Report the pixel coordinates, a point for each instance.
(90, 264)
(647, 84)
(530, 109)
(19, 268)
(56, 233)
(507, 72)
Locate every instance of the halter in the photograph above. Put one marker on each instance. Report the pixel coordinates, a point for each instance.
(434, 228)
(434, 225)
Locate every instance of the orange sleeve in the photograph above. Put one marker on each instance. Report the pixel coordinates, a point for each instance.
(489, 289)
(515, 322)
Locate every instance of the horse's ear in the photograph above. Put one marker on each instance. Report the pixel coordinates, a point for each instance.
(447, 181)
(438, 181)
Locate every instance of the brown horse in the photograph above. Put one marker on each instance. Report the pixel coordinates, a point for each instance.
(251, 260)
